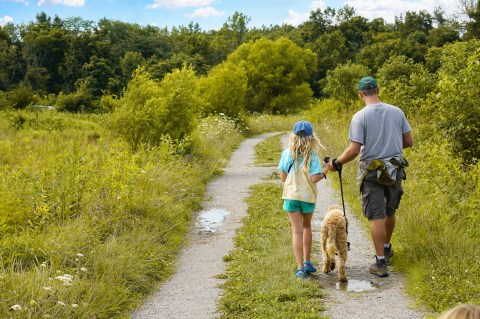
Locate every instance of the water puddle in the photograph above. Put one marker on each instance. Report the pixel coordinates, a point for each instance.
(208, 221)
(357, 285)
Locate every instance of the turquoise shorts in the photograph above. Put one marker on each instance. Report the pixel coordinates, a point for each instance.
(292, 206)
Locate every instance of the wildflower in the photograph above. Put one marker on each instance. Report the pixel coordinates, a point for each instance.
(83, 269)
(66, 279)
(61, 303)
(143, 172)
(74, 305)
(15, 308)
(47, 288)
(79, 255)
(43, 265)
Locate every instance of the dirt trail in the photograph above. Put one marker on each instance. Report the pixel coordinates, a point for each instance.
(192, 292)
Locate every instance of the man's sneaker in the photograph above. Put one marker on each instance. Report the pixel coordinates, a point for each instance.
(388, 252)
(379, 268)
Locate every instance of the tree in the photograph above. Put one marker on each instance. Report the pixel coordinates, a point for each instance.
(277, 72)
(151, 110)
(405, 83)
(342, 82)
(224, 90)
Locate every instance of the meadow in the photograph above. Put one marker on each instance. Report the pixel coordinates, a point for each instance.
(88, 227)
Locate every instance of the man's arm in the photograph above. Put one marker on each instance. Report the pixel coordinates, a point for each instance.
(349, 154)
(407, 139)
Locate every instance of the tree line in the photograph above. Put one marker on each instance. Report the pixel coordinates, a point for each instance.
(84, 66)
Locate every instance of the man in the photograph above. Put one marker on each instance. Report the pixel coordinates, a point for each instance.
(379, 132)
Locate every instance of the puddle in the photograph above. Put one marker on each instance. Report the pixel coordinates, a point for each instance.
(208, 221)
(357, 285)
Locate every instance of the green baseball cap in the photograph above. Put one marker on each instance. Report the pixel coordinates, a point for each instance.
(367, 83)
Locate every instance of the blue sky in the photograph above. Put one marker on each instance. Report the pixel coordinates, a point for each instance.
(209, 14)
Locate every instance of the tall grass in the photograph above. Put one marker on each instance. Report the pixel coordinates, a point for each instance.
(436, 239)
(87, 227)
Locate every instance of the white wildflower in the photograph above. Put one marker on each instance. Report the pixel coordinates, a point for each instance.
(74, 305)
(143, 172)
(83, 269)
(43, 265)
(61, 303)
(47, 288)
(66, 279)
(79, 255)
(15, 308)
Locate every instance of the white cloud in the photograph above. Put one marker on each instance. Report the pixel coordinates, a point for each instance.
(319, 4)
(5, 20)
(68, 3)
(296, 18)
(205, 13)
(174, 4)
(389, 9)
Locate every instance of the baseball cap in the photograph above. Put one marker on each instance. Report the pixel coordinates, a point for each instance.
(367, 83)
(302, 128)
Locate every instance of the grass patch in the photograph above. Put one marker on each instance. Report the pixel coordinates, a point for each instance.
(269, 151)
(260, 269)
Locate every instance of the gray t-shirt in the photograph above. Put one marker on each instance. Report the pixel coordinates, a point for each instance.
(379, 128)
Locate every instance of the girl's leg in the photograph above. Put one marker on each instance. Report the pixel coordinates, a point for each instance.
(296, 221)
(307, 235)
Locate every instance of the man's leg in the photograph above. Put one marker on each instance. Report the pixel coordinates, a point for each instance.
(389, 227)
(378, 232)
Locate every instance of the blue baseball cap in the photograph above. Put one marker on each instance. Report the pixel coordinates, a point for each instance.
(302, 128)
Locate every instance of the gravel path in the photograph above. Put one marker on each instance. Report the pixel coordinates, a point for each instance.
(193, 291)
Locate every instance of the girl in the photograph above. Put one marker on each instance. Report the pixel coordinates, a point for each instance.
(300, 169)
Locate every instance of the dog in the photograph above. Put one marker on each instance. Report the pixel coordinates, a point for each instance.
(334, 238)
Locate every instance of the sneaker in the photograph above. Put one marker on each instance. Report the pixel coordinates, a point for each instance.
(309, 267)
(388, 253)
(379, 268)
(301, 273)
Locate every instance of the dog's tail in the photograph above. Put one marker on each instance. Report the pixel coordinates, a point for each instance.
(331, 247)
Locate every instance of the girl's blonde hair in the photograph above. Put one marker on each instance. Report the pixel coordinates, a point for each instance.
(462, 312)
(302, 147)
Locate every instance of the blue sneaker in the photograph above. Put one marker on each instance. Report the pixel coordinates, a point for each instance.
(309, 267)
(301, 273)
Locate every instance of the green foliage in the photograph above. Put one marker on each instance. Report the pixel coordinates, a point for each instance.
(19, 98)
(277, 72)
(150, 110)
(458, 98)
(215, 137)
(342, 82)
(223, 90)
(405, 83)
(80, 101)
(260, 271)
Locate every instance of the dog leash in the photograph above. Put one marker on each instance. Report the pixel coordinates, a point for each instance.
(338, 167)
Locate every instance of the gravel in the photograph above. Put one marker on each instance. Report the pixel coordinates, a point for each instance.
(193, 292)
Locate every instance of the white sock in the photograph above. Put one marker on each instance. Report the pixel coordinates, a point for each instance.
(380, 257)
(386, 245)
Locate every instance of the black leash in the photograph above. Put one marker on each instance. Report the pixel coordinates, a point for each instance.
(338, 167)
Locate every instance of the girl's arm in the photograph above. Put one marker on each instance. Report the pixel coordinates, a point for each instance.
(317, 177)
(283, 176)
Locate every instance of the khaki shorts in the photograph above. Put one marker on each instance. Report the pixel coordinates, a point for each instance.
(378, 200)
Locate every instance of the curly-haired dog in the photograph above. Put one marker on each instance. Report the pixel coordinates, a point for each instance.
(334, 238)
